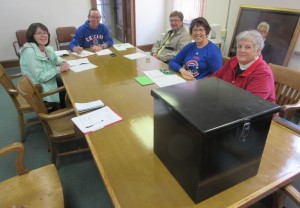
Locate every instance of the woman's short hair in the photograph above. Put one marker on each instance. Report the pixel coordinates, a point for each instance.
(178, 14)
(253, 36)
(32, 30)
(200, 21)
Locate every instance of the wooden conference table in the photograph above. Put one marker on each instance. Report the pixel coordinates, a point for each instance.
(123, 152)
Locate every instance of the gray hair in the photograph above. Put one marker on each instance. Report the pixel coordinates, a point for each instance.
(178, 14)
(253, 36)
(264, 24)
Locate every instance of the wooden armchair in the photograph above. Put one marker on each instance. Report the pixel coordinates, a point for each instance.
(289, 189)
(64, 37)
(37, 188)
(21, 40)
(20, 103)
(287, 86)
(57, 125)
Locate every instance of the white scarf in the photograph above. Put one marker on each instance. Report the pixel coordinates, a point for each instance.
(244, 67)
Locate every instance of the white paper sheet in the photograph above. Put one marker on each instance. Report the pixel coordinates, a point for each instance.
(122, 46)
(83, 53)
(104, 52)
(83, 67)
(135, 56)
(78, 62)
(95, 120)
(163, 80)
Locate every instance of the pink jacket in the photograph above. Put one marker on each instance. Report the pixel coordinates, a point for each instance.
(257, 79)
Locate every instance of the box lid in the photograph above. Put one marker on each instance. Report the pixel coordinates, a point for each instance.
(212, 103)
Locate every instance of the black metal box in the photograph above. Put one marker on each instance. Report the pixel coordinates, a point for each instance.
(210, 134)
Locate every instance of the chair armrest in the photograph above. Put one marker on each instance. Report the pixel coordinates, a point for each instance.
(292, 192)
(19, 148)
(13, 76)
(287, 109)
(13, 91)
(45, 94)
(39, 88)
(58, 115)
(287, 124)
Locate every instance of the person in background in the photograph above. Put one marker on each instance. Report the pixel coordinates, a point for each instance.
(267, 52)
(200, 58)
(41, 64)
(92, 34)
(173, 40)
(248, 70)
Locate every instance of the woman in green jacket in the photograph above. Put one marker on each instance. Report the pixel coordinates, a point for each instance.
(40, 63)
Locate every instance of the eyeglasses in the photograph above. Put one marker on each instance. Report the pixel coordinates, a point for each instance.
(174, 20)
(41, 33)
(202, 30)
(95, 17)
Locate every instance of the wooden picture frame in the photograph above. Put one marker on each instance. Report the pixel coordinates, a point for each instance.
(283, 32)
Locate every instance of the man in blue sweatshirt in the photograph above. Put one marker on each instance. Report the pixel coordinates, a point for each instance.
(92, 34)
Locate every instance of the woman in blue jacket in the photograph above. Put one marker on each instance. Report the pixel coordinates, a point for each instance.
(200, 58)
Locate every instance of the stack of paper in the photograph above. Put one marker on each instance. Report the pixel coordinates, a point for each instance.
(95, 120)
(84, 107)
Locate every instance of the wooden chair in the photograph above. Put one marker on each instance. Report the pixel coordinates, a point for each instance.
(289, 190)
(287, 86)
(64, 37)
(57, 125)
(20, 103)
(21, 40)
(37, 188)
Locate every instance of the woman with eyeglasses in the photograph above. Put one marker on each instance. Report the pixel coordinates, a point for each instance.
(248, 70)
(200, 58)
(41, 64)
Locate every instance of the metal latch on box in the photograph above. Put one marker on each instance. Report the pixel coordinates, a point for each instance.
(245, 131)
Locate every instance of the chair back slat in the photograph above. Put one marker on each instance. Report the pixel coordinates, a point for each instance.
(28, 90)
(287, 84)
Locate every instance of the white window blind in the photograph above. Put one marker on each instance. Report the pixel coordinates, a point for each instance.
(191, 9)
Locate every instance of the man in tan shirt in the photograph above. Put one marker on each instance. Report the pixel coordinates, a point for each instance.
(173, 41)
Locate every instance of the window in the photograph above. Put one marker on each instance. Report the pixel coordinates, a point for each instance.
(191, 9)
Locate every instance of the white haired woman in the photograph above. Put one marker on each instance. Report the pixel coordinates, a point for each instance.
(247, 70)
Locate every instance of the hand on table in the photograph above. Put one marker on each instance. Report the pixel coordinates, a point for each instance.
(186, 74)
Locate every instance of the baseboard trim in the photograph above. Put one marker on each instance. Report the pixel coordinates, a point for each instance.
(10, 64)
(145, 47)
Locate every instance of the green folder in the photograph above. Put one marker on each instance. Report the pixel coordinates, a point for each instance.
(144, 80)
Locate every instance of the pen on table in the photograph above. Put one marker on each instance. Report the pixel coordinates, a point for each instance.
(93, 124)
